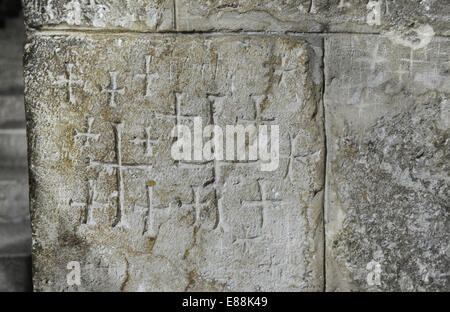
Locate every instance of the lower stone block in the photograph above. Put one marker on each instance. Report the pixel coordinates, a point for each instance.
(109, 196)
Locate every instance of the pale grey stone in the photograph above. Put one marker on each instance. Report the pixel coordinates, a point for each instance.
(165, 224)
(311, 15)
(140, 15)
(387, 117)
(362, 16)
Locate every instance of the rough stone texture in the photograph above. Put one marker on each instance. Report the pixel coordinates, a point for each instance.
(387, 117)
(311, 15)
(248, 15)
(138, 220)
(101, 97)
(140, 15)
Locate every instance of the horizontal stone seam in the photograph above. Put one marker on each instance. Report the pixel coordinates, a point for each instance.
(67, 31)
(222, 32)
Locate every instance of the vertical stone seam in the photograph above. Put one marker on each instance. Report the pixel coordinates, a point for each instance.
(324, 256)
(175, 15)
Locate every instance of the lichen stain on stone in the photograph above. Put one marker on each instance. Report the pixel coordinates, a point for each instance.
(415, 216)
(414, 38)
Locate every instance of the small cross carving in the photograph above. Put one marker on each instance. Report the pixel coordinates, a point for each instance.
(70, 81)
(87, 135)
(119, 168)
(113, 90)
(146, 141)
(148, 76)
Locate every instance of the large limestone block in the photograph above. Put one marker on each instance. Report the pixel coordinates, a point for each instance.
(312, 15)
(139, 15)
(106, 191)
(388, 115)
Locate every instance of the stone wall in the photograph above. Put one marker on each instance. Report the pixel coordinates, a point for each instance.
(15, 230)
(358, 89)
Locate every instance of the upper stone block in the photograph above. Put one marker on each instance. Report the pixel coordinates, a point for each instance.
(107, 192)
(311, 15)
(139, 15)
(359, 16)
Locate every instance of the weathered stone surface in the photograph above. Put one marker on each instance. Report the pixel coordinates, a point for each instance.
(141, 15)
(387, 115)
(135, 219)
(15, 274)
(363, 16)
(311, 15)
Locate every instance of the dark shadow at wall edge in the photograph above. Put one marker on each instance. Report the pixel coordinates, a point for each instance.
(15, 229)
